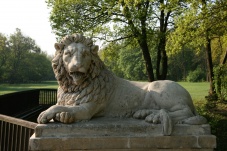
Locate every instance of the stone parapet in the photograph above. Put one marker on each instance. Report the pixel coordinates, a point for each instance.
(123, 134)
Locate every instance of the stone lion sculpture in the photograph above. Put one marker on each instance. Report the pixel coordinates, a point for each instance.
(87, 89)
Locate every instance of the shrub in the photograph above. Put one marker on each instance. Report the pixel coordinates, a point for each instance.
(197, 75)
(221, 82)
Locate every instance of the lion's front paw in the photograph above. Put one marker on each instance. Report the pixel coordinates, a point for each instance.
(64, 117)
(45, 117)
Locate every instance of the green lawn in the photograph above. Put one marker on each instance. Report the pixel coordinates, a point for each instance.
(198, 90)
(9, 88)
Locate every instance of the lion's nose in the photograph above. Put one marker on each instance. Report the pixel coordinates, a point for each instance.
(74, 67)
(78, 65)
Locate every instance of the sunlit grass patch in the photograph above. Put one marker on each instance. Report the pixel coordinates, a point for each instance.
(10, 88)
(197, 90)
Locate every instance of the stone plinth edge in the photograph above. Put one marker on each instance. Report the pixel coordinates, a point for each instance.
(118, 133)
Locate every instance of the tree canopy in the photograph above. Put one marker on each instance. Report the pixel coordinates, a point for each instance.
(197, 27)
(142, 20)
(163, 30)
(125, 60)
(22, 60)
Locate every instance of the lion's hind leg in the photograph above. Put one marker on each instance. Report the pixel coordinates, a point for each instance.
(183, 114)
(142, 114)
(156, 116)
(194, 120)
(161, 116)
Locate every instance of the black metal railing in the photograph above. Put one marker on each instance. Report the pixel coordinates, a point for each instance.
(16, 103)
(15, 133)
(47, 96)
(13, 103)
(19, 107)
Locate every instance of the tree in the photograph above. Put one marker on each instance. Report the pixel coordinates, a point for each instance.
(36, 67)
(19, 46)
(202, 22)
(120, 19)
(21, 60)
(4, 55)
(132, 64)
(110, 56)
(125, 60)
(185, 61)
(219, 55)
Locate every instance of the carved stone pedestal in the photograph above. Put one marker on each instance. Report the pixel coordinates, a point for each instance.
(120, 134)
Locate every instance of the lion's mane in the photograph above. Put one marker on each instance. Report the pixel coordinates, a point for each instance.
(95, 86)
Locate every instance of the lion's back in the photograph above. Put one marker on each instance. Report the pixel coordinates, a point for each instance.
(169, 93)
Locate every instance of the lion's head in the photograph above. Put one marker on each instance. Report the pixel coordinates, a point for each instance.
(76, 59)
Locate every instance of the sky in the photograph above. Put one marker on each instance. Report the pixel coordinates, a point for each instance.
(32, 17)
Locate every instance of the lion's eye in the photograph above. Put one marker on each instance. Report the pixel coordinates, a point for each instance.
(67, 53)
(84, 53)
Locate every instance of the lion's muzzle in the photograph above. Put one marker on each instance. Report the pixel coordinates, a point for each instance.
(77, 76)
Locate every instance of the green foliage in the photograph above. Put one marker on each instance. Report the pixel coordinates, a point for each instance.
(116, 20)
(132, 65)
(200, 20)
(197, 27)
(197, 75)
(124, 61)
(221, 82)
(110, 56)
(212, 117)
(181, 63)
(33, 71)
(22, 60)
(218, 122)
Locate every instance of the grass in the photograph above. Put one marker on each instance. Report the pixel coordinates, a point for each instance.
(197, 90)
(10, 88)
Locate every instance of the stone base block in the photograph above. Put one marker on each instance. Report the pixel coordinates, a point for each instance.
(120, 134)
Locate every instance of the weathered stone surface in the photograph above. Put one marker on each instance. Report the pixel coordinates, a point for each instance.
(88, 89)
(104, 126)
(136, 143)
(120, 134)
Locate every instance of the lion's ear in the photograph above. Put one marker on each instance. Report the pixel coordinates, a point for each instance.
(94, 49)
(58, 47)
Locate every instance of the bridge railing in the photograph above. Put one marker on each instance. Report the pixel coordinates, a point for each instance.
(47, 96)
(15, 133)
(14, 103)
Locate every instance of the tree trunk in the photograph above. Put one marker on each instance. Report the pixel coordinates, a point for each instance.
(146, 55)
(210, 67)
(220, 73)
(141, 38)
(225, 58)
(161, 59)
